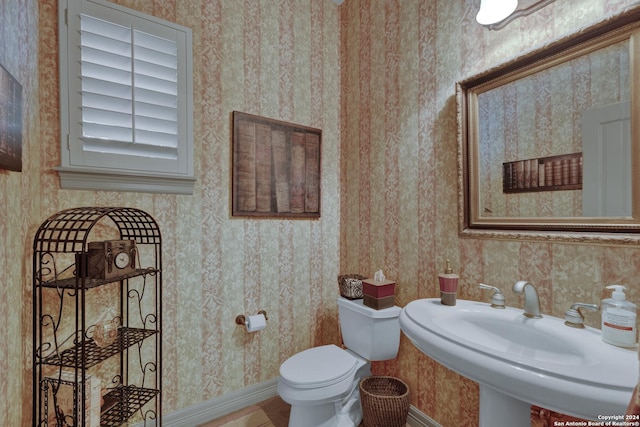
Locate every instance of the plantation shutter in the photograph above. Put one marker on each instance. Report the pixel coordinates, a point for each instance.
(126, 95)
(129, 91)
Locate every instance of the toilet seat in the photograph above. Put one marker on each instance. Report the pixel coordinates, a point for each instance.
(319, 367)
(320, 375)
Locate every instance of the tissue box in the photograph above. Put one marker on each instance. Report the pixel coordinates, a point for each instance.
(375, 289)
(379, 303)
(350, 285)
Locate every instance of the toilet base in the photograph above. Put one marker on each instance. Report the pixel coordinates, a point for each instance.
(323, 416)
(344, 412)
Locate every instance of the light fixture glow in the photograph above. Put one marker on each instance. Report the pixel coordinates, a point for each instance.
(492, 11)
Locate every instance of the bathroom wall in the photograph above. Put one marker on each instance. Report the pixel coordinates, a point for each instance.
(278, 59)
(18, 51)
(388, 181)
(399, 209)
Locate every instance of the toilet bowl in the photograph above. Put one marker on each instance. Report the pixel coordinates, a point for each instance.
(322, 383)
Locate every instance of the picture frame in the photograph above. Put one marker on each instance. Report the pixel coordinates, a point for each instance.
(275, 168)
(10, 122)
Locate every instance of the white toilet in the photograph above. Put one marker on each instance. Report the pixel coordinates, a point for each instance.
(322, 383)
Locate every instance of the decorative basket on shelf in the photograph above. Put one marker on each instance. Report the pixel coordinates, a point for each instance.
(385, 401)
(351, 285)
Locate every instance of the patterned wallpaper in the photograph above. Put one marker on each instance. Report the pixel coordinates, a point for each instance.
(399, 173)
(274, 59)
(19, 198)
(377, 76)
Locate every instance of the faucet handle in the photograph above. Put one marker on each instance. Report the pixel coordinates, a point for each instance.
(497, 299)
(573, 316)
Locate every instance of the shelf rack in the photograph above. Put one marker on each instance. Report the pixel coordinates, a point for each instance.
(62, 328)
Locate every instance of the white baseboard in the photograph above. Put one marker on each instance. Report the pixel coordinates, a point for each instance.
(217, 407)
(220, 406)
(418, 418)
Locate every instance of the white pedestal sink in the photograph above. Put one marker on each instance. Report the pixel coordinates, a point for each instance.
(519, 361)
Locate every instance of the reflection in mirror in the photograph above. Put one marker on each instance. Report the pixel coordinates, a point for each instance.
(546, 140)
(541, 116)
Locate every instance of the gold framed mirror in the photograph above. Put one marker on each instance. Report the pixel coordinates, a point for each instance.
(549, 143)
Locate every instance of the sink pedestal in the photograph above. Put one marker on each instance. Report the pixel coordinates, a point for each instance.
(499, 410)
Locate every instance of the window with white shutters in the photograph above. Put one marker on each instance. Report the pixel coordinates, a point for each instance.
(126, 100)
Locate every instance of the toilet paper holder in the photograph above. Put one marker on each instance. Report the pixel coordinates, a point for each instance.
(241, 320)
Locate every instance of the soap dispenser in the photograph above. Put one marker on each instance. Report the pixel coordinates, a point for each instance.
(619, 319)
(448, 286)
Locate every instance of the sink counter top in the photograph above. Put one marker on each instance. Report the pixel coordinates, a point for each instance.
(540, 361)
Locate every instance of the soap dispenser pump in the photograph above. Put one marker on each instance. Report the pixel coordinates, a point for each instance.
(619, 319)
(448, 286)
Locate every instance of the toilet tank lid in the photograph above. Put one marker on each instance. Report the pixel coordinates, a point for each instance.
(358, 306)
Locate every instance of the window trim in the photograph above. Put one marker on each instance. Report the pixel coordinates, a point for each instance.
(110, 177)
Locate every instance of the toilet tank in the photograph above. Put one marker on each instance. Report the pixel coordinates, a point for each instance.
(370, 333)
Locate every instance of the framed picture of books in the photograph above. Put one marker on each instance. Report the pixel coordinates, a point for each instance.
(10, 122)
(276, 168)
(554, 173)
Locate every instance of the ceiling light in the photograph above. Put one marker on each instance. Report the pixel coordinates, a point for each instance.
(492, 11)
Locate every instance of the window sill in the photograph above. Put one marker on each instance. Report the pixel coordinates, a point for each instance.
(90, 179)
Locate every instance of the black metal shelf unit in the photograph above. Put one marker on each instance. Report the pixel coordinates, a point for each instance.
(66, 304)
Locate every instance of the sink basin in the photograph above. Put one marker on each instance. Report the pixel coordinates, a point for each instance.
(519, 361)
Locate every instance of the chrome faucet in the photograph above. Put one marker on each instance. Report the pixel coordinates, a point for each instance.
(497, 299)
(531, 300)
(573, 317)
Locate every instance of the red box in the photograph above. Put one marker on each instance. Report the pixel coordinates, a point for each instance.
(375, 289)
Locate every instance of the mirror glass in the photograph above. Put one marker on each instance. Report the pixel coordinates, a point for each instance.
(554, 112)
(547, 141)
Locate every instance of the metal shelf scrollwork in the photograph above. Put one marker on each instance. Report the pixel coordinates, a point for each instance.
(67, 349)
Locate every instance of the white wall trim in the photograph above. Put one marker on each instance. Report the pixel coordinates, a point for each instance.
(220, 406)
(93, 179)
(418, 418)
(223, 405)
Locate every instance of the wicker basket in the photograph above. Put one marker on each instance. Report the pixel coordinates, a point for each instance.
(351, 285)
(385, 402)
